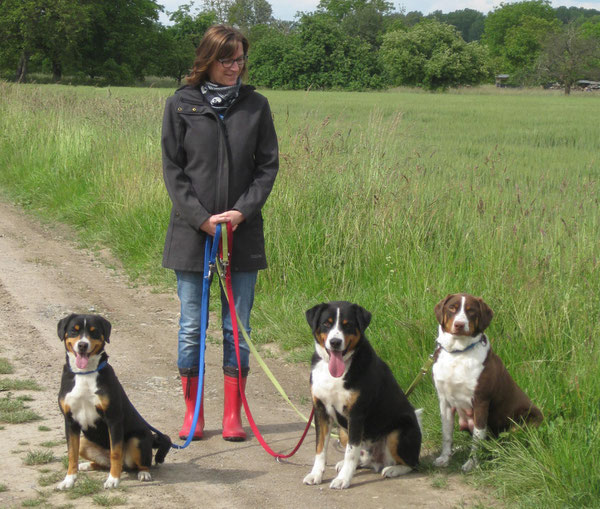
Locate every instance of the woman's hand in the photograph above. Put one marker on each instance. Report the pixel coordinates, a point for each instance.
(235, 217)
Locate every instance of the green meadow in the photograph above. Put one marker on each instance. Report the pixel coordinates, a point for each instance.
(391, 200)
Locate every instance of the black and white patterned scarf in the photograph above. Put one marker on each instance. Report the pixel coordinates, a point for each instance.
(220, 97)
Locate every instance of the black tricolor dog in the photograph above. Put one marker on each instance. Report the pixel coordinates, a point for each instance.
(352, 386)
(94, 402)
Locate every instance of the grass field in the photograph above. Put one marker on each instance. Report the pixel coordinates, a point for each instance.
(391, 200)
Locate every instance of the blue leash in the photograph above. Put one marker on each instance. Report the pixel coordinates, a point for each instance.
(210, 259)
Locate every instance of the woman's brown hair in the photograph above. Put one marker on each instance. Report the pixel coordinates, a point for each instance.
(219, 41)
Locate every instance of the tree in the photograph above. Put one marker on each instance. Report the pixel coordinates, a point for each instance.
(469, 22)
(249, 13)
(220, 8)
(577, 14)
(523, 43)
(568, 56)
(181, 39)
(508, 16)
(343, 8)
(514, 34)
(117, 41)
(432, 55)
(49, 29)
(318, 54)
(360, 18)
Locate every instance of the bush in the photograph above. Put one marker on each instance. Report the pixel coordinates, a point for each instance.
(432, 55)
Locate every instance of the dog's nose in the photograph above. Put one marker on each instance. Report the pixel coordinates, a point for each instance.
(459, 325)
(335, 343)
(82, 347)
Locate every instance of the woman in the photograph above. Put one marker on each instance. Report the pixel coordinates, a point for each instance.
(220, 159)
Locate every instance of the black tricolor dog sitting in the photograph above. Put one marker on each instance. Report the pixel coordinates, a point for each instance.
(352, 386)
(93, 402)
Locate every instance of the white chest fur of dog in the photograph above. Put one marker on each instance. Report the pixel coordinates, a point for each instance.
(456, 374)
(329, 390)
(83, 401)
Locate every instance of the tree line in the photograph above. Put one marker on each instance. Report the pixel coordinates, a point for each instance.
(343, 44)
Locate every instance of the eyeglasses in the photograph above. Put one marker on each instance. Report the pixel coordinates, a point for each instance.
(228, 62)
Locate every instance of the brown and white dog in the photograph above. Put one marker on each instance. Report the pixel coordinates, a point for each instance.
(471, 379)
(354, 388)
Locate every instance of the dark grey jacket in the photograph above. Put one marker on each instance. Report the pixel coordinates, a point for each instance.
(212, 165)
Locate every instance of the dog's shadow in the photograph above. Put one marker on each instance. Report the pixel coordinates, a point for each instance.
(191, 472)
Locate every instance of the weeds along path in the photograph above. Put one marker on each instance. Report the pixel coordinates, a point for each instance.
(44, 276)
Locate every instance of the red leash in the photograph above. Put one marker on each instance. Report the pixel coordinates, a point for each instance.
(236, 338)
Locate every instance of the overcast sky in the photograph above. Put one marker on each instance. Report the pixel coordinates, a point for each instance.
(286, 9)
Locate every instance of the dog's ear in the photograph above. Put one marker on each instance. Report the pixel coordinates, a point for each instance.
(313, 314)
(106, 328)
(363, 317)
(486, 314)
(439, 308)
(62, 326)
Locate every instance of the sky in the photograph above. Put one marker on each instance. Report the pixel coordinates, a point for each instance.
(286, 9)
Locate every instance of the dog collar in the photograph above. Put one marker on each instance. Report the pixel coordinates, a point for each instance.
(472, 345)
(100, 366)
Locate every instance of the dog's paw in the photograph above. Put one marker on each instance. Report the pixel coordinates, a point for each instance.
(339, 483)
(144, 475)
(339, 465)
(111, 482)
(395, 471)
(442, 461)
(67, 482)
(470, 464)
(85, 466)
(313, 478)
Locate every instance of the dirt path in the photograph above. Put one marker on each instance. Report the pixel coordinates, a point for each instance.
(43, 276)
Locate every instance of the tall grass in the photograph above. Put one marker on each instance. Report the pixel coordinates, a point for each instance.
(391, 200)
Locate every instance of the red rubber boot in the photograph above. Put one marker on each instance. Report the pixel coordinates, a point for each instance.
(190, 391)
(232, 422)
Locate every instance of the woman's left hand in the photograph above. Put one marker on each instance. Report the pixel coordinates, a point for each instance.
(235, 217)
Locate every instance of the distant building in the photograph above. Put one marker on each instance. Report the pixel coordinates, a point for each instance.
(502, 80)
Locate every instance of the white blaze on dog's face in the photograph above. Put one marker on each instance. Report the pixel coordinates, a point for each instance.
(337, 329)
(463, 315)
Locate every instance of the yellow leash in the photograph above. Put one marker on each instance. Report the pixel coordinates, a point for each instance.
(219, 265)
(253, 349)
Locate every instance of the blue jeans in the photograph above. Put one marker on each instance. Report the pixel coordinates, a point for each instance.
(189, 290)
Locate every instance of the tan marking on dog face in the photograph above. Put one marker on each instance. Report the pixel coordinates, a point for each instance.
(321, 338)
(70, 343)
(352, 340)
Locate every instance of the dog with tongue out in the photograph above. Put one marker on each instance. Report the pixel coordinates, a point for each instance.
(353, 388)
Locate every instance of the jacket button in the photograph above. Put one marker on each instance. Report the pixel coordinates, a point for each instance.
(193, 109)
(179, 109)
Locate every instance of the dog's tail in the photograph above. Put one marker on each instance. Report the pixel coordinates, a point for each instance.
(163, 444)
(419, 415)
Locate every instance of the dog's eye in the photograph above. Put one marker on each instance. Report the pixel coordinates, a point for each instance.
(452, 308)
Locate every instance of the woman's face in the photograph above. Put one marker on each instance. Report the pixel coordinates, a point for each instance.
(223, 75)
